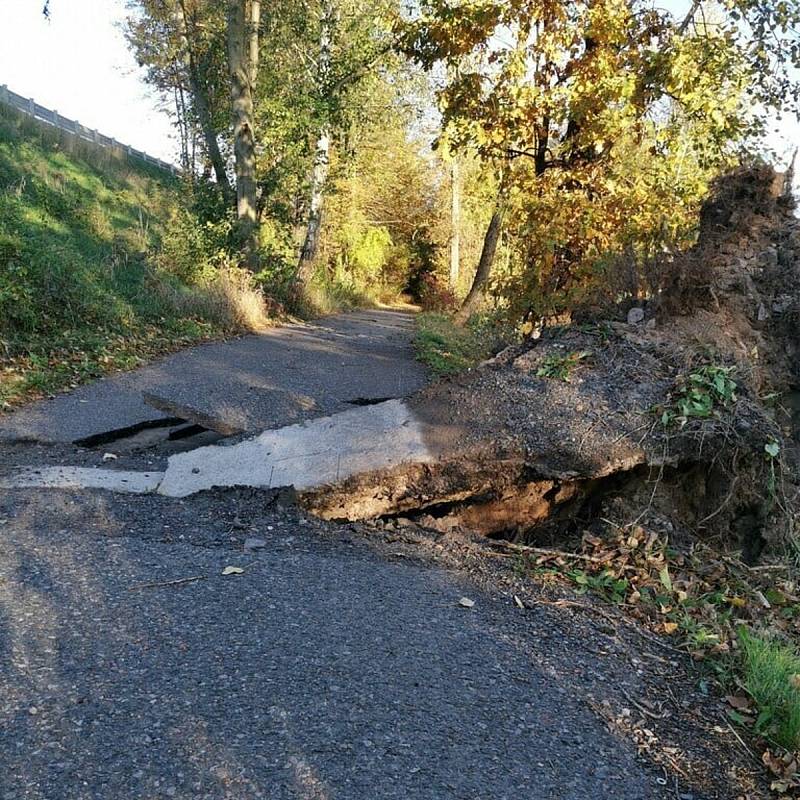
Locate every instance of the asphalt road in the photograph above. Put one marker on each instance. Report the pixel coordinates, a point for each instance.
(256, 382)
(324, 670)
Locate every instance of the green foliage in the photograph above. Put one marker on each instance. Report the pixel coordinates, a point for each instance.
(771, 675)
(192, 250)
(447, 348)
(701, 394)
(604, 124)
(561, 367)
(605, 584)
(92, 248)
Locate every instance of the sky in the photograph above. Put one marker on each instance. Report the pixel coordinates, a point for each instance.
(78, 64)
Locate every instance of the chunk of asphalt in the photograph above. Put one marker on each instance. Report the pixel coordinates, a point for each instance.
(226, 426)
(307, 455)
(82, 478)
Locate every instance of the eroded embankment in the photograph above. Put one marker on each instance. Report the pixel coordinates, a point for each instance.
(679, 413)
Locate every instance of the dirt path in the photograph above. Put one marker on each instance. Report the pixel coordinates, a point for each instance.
(335, 665)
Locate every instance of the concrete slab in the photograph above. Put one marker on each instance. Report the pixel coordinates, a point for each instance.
(82, 478)
(308, 455)
(253, 383)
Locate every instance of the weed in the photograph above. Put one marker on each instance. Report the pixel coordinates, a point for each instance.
(605, 584)
(447, 348)
(561, 367)
(701, 394)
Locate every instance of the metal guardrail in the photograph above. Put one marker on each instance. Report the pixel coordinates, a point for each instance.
(29, 106)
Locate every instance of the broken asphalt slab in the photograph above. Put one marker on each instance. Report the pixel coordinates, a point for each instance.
(253, 383)
(81, 478)
(306, 456)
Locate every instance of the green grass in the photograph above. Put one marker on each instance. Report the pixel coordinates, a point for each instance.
(771, 674)
(447, 348)
(85, 286)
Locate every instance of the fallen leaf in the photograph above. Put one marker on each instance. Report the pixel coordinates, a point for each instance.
(465, 602)
(670, 627)
(232, 571)
(739, 702)
(518, 602)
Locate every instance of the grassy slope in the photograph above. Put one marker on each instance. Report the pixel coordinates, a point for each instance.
(77, 296)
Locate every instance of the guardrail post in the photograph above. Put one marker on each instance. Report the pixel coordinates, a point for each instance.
(4, 93)
(94, 135)
(32, 107)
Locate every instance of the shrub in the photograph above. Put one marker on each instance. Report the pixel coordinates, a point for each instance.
(434, 294)
(228, 299)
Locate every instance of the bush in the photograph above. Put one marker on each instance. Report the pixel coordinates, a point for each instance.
(229, 299)
(434, 295)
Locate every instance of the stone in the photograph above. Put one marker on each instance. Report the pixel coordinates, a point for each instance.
(253, 543)
(635, 315)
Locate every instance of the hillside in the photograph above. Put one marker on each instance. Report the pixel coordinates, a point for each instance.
(85, 270)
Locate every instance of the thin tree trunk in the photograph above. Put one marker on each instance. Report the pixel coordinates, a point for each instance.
(473, 299)
(243, 22)
(319, 172)
(319, 177)
(200, 104)
(455, 223)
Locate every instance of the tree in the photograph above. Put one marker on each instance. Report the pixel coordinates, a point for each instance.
(354, 42)
(243, 17)
(552, 94)
(319, 173)
(181, 45)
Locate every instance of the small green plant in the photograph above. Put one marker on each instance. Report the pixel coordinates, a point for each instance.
(771, 675)
(561, 367)
(605, 584)
(701, 394)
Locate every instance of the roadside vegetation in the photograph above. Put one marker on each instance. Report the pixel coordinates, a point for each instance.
(448, 348)
(89, 277)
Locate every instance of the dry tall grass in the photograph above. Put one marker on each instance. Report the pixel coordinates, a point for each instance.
(230, 300)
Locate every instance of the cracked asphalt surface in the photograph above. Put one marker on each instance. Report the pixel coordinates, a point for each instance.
(265, 380)
(326, 669)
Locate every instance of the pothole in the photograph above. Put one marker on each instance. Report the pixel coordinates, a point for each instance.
(163, 437)
(115, 435)
(368, 401)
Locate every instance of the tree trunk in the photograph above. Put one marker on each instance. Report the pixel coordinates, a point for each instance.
(319, 172)
(243, 22)
(484, 265)
(319, 176)
(455, 223)
(200, 103)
